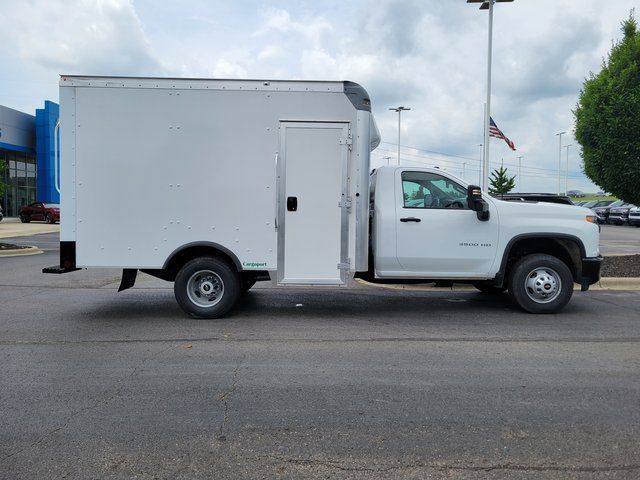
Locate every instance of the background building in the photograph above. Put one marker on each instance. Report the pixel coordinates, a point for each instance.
(27, 149)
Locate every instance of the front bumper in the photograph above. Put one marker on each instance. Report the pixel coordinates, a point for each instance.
(590, 272)
(634, 220)
(618, 219)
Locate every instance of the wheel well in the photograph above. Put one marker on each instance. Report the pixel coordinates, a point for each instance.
(189, 252)
(566, 249)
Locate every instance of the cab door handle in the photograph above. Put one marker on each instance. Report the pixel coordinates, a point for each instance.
(410, 219)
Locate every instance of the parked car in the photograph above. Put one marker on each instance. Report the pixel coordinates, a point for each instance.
(535, 197)
(595, 203)
(620, 215)
(47, 212)
(634, 216)
(603, 212)
(601, 194)
(575, 194)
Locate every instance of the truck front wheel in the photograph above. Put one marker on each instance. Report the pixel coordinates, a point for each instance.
(540, 283)
(207, 287)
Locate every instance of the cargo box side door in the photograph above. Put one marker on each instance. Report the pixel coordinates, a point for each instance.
(313, 207)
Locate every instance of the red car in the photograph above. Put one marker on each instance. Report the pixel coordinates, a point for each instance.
(48, 212)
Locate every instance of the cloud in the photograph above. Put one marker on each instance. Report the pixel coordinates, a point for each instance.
(427, 55)
(312, 30)
(89, 37)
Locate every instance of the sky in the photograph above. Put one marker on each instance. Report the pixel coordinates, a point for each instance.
(428, 55)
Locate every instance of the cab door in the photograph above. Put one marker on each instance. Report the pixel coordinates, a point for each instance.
(437, 234)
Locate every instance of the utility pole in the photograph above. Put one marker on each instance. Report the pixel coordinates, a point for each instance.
(399, 110)
(559, 135)
(520, 174)
(566, 172)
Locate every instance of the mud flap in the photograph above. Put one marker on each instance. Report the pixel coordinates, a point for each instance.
(128, 278)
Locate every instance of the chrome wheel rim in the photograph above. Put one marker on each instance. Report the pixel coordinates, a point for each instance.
(205, 288)
(543, 285)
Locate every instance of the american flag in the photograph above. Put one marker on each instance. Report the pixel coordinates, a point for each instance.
(494, 131)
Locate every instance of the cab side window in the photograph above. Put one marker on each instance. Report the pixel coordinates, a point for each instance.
(433, 191)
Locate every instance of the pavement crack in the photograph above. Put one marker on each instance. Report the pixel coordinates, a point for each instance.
(225, 397)
(93, 406)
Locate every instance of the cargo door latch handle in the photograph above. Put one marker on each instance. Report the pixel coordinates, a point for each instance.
(292, 204)
(410, 219)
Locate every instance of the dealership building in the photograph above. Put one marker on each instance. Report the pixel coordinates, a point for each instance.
(27, 146)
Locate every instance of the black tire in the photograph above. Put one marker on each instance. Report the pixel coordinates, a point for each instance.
(49, 219)
(549, 271)
(24, 219)
(489, 288)
(216, 275)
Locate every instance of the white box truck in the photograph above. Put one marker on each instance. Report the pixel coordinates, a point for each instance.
(216, 184)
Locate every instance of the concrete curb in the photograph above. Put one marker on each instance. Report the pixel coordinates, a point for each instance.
(19, 252)
(606, 283)
(617, 283)
(12, 227)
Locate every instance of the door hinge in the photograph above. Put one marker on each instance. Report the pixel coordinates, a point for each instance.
(346, 141)
(347, 204)
(344, 265)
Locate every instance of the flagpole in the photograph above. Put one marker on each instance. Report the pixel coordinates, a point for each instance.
(482, 152)
(480, 169)
(485, 163)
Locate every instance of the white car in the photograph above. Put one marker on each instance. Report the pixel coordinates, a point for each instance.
(634, 216)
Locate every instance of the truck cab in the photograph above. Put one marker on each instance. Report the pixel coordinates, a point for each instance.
(427, 224)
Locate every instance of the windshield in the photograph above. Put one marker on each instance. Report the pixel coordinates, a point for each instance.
(590, 204)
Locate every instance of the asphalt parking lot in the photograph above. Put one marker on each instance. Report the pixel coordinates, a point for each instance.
(619, 240)
(307, 383)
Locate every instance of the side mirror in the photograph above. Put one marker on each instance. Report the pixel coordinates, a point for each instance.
(477, 203)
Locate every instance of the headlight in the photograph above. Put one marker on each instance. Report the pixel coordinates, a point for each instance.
(592, 218)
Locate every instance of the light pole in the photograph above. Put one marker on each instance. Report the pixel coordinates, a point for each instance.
(399, 110)
(559, 135)
(487, 5)
(520, 173)
(464, 167)
(566, 172)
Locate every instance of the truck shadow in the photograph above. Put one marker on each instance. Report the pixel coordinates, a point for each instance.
(334, 305)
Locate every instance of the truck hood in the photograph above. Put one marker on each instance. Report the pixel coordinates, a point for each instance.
(542, 209)
(540, 218)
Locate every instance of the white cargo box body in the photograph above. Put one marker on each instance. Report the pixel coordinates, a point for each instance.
(275, 173)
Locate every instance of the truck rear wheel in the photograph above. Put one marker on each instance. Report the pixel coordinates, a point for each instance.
(207, 287)
(540, 283)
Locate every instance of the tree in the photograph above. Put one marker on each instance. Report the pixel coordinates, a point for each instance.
(608, 119)
(500, 182)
